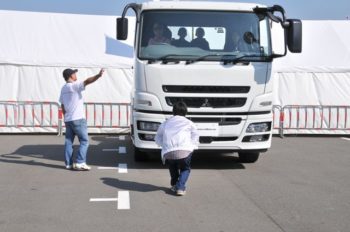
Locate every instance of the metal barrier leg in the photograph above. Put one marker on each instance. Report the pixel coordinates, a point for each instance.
(60, 122)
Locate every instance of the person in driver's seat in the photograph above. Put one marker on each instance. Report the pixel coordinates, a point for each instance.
(159, 37)
(181, 42)
(200, 42)
(235, 43)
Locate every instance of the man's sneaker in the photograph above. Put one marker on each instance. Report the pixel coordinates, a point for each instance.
(82, 167)
(180, 192)
(69, 167)
(173, 189)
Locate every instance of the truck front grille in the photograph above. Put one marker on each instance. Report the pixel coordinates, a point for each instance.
(220, 121)
(198, 102)
(216, 139)
(204, 89)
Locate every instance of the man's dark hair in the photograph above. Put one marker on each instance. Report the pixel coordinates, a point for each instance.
(67, 73)
(180, 108)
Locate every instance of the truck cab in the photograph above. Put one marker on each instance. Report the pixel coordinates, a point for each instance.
(215, 57)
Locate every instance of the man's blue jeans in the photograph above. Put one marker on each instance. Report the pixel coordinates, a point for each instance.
(179, 172)
(76, 128)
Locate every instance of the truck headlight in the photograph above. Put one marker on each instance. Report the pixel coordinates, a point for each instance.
(259, 127)
(147, 137)
(148, 126)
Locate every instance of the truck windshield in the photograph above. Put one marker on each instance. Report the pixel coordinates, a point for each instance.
(203, 35)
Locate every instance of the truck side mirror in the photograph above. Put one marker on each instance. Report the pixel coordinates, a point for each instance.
(122, 28)
(294, 35)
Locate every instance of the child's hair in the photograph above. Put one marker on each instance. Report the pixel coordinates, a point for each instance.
(180, 108)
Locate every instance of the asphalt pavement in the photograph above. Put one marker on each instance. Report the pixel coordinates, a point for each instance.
(300, 185)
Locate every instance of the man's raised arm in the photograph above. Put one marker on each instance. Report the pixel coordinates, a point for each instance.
(94, 78)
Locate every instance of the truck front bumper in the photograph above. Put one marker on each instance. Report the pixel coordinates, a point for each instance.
(231, 137)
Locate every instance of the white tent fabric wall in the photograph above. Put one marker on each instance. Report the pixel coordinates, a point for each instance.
(36, 47)
(51, 39)
(33, 83)
(320, 75)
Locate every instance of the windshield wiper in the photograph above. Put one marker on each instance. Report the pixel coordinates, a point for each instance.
(236, 59)
(201, 58)
(166, 58)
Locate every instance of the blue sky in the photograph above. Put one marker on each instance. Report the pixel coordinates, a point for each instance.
(303, 9)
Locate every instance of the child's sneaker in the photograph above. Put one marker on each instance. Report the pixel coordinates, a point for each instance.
(82, 167)
(181, 192)
(173, 189)
(69, 167)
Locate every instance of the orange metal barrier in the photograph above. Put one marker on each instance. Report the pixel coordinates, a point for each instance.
(32, 114)
(104, 115)
(29, 114)
(314, 117)
(278, 118)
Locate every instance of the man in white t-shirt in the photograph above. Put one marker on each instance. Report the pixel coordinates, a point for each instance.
(72, 104)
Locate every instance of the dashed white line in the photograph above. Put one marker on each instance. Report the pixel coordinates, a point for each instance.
(122, 168)
(103, 199)
(122, 150)
(108, 149)
(107, 168)
(346, 138)
(123, 200)
(120, 137)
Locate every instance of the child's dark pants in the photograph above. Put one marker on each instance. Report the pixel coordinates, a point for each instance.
(179, 171)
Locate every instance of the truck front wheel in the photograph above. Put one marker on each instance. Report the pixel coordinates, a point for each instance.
(140, 156)
(248, 157)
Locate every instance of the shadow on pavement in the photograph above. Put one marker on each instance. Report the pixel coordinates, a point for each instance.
(133, 186)
(44, 154)
(200, 160)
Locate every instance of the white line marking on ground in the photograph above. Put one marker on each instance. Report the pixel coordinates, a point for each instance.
(122, 150)
(103, 199)
(107, 168)
(345, 138)
(122, 168)
(106, 149)
(120, 137)
(123, 200)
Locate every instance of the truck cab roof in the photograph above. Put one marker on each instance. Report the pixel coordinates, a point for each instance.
(199, 5)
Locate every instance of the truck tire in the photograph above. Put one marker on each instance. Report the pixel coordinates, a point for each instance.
(248, 157)
(140, 156)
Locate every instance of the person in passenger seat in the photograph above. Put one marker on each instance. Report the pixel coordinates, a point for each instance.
(200, 42)
(181, 42)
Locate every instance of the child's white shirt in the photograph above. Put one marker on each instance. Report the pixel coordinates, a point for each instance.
(177, 133)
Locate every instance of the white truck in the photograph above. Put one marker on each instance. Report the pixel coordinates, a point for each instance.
(216, 57)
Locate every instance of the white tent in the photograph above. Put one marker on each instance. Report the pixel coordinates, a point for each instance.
(36, 47)
(320, 75)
